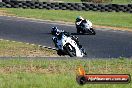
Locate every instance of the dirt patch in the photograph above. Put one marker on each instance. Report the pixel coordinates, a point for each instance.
(27, 53)
(16, 49)
(30, 68)
(4, 13)
(114, 28)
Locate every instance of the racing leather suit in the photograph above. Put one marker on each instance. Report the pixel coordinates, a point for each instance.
(75, 38)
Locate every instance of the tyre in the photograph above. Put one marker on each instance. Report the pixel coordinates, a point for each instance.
(102, 10)
(1, 4)
(86, 9)
(71, 8)
(130, 11)
(109, 10)
(70, 50)
(91, 31)
(98, 8)
(117, 10)
(40, 7)
(25, 7)
(56, 8)
(91, 8)
(95, 9)
(32, 7)
(8, 5)
(16, 6)
(36, 5)
(60, 53)
(79, 9)
(63, 8)
(124, 10)
(78, 31)
(48, 7)
(130, 5)
(20, 4)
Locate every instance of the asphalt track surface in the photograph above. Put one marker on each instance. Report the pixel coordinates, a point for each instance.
(106, 43)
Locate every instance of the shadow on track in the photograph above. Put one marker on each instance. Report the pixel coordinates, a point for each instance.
(46, 33)
(81, 34)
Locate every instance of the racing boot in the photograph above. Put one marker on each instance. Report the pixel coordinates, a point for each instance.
(82, 49)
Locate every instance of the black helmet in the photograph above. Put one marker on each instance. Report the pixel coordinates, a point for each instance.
(55, 31)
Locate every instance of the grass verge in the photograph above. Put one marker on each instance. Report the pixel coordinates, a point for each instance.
(122, 1)
(98, 18)
(16, 49)
(44, 73)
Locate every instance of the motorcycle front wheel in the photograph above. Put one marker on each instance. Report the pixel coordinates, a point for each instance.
(70, 50)
(78, 31)
(91, 30)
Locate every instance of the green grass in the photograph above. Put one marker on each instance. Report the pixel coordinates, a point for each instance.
(98, 18)
(122, 1)
(43, 73)
(9, 49)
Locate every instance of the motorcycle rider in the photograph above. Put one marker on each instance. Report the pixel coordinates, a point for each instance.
(80, 25)
(78, 22)
(58, 35)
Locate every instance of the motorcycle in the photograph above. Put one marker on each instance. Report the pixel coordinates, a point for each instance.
(85, 27)
(66, 45)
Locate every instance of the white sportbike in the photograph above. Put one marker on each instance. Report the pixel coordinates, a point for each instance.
(68, 46)
(85, 27)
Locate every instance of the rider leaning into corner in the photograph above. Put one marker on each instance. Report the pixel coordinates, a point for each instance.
(58, 35)
(78, 22)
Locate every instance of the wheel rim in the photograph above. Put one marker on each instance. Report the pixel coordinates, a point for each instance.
(72, 50)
